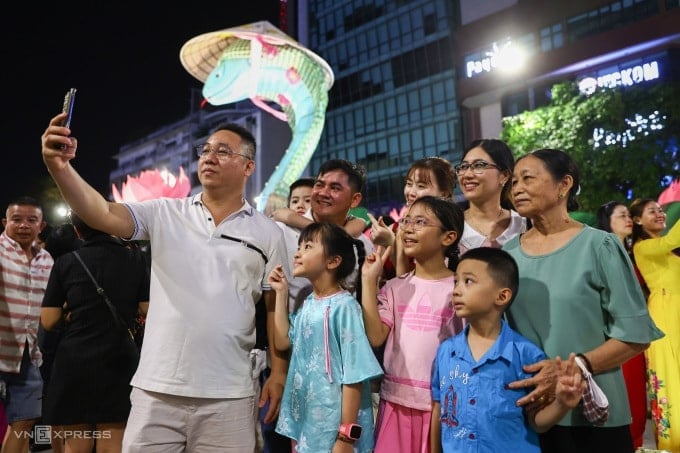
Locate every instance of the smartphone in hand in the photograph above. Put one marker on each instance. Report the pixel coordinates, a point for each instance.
(69, 100)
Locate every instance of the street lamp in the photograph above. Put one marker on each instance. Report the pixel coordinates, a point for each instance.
(61, 211)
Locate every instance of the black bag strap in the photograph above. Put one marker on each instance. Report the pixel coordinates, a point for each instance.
(101, 292)
(247, 244)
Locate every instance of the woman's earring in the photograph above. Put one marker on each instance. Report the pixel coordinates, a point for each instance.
(561, 195)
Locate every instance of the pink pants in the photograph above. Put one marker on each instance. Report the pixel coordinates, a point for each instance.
(400, 429)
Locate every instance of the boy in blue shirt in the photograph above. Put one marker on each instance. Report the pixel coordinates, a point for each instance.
(473, 410)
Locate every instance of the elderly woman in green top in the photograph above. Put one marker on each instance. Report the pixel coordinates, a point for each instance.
(577, 293)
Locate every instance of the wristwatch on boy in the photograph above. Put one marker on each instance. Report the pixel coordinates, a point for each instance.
(349, 432)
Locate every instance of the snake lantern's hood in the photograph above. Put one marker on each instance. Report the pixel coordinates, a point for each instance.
(261, 63)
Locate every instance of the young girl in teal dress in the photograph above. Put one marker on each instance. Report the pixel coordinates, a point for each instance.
(327, 391)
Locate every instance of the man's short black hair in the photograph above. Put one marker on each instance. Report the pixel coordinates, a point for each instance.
(25, 200)
(248, 143)
(356, 174)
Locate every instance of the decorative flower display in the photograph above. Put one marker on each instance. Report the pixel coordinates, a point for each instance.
(658, 408)
(151, 184)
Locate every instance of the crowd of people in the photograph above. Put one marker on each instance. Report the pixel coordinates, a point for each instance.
(466, 321)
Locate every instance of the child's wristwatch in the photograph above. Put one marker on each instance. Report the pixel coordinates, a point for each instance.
(349, 432)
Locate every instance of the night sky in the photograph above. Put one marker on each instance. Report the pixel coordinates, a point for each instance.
(124, 63)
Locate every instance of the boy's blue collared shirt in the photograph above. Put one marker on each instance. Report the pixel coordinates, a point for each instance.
(478, 410)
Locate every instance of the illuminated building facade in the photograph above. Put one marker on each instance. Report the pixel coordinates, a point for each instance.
(394, 98)
(419, 78)
(510, 53)
(392, 103)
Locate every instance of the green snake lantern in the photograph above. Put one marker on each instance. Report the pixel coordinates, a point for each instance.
(261, 63)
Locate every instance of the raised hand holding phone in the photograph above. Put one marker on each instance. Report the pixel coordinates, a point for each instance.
(69, 101)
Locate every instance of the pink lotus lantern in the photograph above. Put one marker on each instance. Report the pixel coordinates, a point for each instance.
(151, 184)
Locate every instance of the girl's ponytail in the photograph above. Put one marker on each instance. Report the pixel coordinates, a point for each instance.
(452, 253)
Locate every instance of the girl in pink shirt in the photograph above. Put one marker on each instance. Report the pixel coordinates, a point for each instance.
(411, 314)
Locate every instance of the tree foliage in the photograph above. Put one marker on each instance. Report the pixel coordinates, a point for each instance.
(641, 123)
(50, 198)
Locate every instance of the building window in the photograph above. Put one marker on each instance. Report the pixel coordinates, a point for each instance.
(329, 27)
(391, 107)
(514, 104)
(359, 122)
(422, 62)
(402, 110)
(439, 95)
(361, 15)
(379, 108)
(426, 102)
(395, 35)
(369, 119)
(349, 126)
(343, 61)
(414, 106)
(551, 37)
(609, 16)
(430, 24)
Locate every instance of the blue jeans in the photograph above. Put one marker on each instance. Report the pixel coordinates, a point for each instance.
(24, 391)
